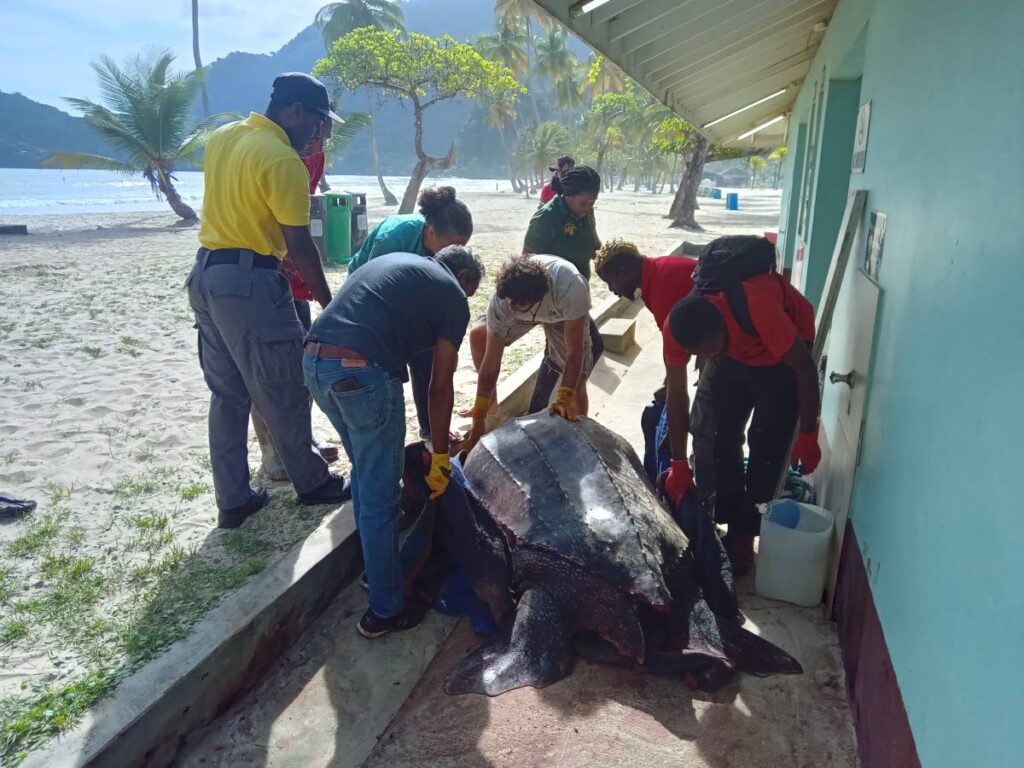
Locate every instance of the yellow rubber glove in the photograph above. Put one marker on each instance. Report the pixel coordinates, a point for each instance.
(439, 474)
(565, 404)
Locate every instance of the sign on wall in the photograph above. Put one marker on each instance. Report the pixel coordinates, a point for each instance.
(860, 138)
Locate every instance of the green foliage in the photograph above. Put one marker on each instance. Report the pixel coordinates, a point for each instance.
(507, 45)
(342, 136)
(145, 113)
(25, 724)
(340, 18)
(674, 136)
(554, 59)
(41, 532)
(603, 77)
(423, 69)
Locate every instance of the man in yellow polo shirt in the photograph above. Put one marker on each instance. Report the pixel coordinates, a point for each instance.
(256, 210)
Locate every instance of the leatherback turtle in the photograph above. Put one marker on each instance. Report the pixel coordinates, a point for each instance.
(566, 541)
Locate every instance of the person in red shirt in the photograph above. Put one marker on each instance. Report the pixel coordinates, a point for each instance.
(552, 188)
(662, 281)
(767, 378)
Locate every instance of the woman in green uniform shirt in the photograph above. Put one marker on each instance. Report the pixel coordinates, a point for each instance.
(442, 221)
(565, 228)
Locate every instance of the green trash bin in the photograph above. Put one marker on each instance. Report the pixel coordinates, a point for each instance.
(338, 227)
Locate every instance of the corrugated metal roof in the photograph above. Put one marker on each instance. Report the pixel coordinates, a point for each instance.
(706, 59)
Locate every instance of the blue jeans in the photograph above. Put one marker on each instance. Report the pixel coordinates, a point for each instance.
(367, 407)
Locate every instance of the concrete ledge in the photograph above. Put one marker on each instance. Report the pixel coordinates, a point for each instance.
(618, 334)
(224, 656)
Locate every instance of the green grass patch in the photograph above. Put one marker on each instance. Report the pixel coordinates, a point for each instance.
(73, 586)
(129, 345)
(42, 531)
(135, 486)
(186, 587)
(243, 543)
(26, 722)
(13, 630)
(194, 491)
(92, 351)
(6, 587)
(59, 493)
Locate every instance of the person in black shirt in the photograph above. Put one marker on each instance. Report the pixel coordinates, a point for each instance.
(356, 358)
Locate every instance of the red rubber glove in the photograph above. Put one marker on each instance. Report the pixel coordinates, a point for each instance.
(807, 451)
(676, 481)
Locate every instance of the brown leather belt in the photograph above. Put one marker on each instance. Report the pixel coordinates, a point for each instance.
(334, 352)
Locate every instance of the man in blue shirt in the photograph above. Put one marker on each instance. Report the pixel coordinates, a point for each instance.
(355, 361)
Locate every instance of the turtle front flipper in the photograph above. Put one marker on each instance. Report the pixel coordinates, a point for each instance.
(537, 651)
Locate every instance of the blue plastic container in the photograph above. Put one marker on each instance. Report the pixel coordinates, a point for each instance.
(732, 201)
(716, 194)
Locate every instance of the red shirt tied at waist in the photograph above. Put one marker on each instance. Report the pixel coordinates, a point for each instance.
(779, 313)
(664, 281)
(300, 291)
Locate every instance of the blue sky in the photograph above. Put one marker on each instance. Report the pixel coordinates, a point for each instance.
(48, 44)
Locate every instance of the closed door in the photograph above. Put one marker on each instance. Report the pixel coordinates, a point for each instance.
(844, 398)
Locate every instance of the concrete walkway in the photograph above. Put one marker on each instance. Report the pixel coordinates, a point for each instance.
(336, 699)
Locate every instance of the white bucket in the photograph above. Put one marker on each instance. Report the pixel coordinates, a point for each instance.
(792, 562)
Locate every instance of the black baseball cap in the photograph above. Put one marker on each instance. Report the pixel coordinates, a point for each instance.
(305, 89)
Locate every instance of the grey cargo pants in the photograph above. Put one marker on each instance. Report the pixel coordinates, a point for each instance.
(250, 350)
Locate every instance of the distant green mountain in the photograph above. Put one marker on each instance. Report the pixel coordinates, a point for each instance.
(30, 132)
(241, 82)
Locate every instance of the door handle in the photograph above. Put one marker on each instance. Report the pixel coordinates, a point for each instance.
(842, 378)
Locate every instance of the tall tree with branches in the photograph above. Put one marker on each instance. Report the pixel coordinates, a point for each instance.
(421, 69)
(337, 19)
(195, 55)
(145, 114)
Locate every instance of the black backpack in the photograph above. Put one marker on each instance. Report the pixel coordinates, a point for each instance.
(724, 264)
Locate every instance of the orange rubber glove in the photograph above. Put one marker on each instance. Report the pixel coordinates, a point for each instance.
(807, 451)
(565, 404)
(440, 473)
(675, 481)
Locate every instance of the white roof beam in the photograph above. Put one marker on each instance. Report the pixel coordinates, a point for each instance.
(638, 42)
(644, 16)
(677, 53)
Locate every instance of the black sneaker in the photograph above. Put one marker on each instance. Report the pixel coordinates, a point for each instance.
(334, 490)
(371, 625)
(234, 517)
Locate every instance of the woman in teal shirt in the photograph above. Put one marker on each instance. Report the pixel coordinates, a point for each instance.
(442, 221)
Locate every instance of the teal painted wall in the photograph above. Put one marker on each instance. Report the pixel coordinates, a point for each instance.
(937, 500)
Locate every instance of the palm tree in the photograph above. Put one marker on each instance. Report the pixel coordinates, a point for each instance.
(338, 19)
(499, 113)
(603, 77)
(779, 156)
(341, 137)
(525, 12)
(507, 46)
(567, 96)
(549, 141)
(554, 59)
(195, 54)
(145, 114)
(757, 164)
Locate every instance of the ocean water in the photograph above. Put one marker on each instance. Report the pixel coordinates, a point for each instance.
(39, 191)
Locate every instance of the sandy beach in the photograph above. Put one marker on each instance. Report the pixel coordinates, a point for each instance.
(104, 423)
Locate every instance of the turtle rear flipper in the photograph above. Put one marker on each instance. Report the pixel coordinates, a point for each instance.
(537, 652)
